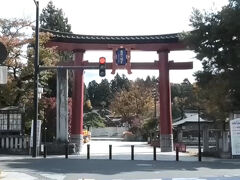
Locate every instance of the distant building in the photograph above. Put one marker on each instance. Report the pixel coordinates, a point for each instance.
(11, 121)
(12, 137)
(186, 130)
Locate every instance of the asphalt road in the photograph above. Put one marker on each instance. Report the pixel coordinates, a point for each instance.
(79, 168)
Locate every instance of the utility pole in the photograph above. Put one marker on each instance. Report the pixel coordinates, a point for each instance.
(199, 137)
(36, 80)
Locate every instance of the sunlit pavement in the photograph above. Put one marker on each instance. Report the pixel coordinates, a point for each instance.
(121, 150)
(120, 167)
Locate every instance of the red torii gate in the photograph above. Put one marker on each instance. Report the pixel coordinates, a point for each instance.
(163, 44)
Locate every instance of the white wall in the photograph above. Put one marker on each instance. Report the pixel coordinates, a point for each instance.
(108, 131)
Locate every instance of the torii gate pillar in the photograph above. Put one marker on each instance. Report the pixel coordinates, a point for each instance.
(166, 135)
(77, 102)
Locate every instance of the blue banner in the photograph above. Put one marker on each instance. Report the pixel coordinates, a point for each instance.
(121, 56)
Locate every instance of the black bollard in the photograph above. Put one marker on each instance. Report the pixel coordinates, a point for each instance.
(132, 152)
(199, 154)
(88, 151)
(66, 151)
(45, 151)
(154, 153)
(110, 151)
(177, 153)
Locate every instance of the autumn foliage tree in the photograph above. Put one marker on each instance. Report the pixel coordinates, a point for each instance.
(13, 35)
(134, 105)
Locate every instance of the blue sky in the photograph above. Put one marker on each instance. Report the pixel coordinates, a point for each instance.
(125, 17)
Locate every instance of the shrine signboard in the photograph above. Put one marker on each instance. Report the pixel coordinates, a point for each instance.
(121, 56)
(235, 136)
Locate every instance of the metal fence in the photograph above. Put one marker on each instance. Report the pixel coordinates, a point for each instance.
(14, 142)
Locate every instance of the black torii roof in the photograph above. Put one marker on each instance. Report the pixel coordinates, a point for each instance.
(100, 39)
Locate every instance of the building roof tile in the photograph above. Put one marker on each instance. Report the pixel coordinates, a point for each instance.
(77, 38)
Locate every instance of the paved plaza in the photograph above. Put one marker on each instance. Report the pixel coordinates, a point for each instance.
(121, 150)
(121, 167)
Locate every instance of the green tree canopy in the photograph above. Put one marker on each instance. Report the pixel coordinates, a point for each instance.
(119, 83)
(99, 93)
(183, 98)
(216, 42)
(103, 92)
(53, 18)
(93, 119)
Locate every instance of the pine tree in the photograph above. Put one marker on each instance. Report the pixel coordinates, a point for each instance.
(216, 41)
(53, 18)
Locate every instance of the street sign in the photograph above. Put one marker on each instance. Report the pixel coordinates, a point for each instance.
(121, 56)
(3, 74)
(235, 136)
(39, 123)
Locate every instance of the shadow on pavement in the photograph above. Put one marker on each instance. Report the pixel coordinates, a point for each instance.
(109, 167)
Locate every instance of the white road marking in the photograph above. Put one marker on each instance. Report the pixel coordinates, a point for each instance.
(16, 175)
(187, 179)
(54, 176)
(227, 176)
(144, 165)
